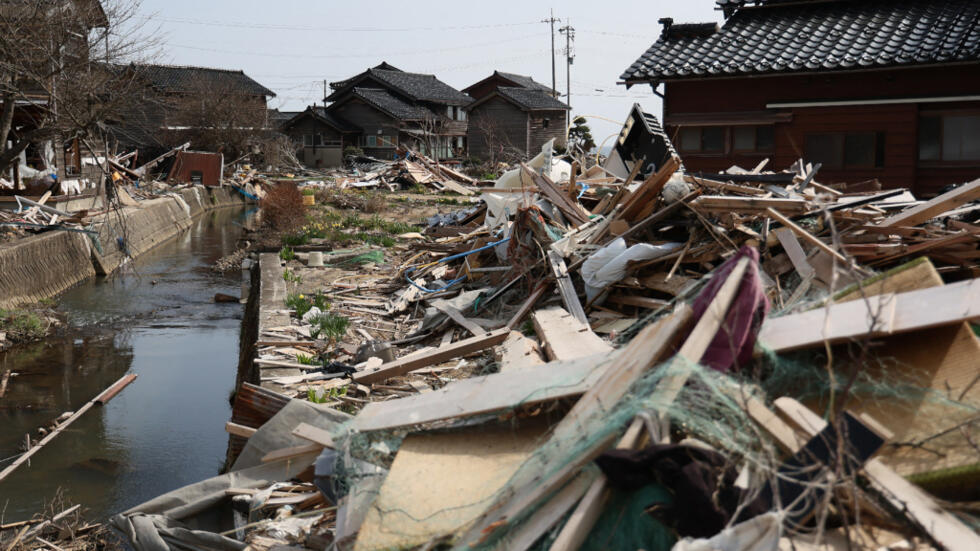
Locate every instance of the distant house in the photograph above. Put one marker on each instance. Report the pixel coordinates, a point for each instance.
(387, 107)
(278, 118)
(322, 136)
(871, 89)
(210, 106)
(512, 115)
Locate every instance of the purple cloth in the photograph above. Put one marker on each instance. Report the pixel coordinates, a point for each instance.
(733, 344)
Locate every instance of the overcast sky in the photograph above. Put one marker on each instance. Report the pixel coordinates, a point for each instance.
(291, 46)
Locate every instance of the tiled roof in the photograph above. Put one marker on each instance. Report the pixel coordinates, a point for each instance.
(334, 120)
(390, 104)
(181, 79)
(417, 86)
(531, 99)
(820, 36)
(524, 82)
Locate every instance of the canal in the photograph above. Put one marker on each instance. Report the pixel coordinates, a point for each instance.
(156, 318)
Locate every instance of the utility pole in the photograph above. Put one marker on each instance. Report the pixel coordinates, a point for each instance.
(324, 93)
(552, 21)
(569, 31)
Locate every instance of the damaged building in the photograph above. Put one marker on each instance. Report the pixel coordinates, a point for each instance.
(870, 90)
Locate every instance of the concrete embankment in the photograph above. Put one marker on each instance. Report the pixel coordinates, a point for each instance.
(44, 265)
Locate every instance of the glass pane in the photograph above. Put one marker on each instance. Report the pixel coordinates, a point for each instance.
(713, 139)
(930, 129)
(744, 138)
(859, 150)
(765, 138)
(961, 138)
(826, 149)
(690, 139)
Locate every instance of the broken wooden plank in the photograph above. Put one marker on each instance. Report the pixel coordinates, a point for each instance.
(291, 452)
(314, 434)
(795, 252)
(239, 430)
(878, 315)
(518, 351)
(930, 209)
(807, 236)
(439, 355)
(565, 338)
(486, 394)
(727, 203)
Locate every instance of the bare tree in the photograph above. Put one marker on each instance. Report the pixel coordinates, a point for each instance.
(59, 77)
(498, 144)
(215, 116)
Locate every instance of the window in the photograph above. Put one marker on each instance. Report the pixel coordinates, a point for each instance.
(380, 141)
(703, 139)
(449, 112)
(462, 114)
(546, 122)
(753, 138)
(949, 138)
(312, 140)
(846, 150)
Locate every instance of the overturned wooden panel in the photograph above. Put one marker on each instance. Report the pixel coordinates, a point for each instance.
(440, 483)
(564, 337)
(490, 393)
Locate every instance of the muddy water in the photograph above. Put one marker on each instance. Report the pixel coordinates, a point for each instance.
(156, 319)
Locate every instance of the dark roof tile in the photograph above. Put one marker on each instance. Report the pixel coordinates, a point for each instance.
(390, 104)
(172, 78)
(532, 100)
(824, 35)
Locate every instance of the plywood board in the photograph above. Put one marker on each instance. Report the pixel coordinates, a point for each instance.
(490, 393)
(440, 483)
(565, 338)
(518, 351)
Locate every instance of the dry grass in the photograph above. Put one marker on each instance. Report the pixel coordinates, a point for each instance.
(283, 208)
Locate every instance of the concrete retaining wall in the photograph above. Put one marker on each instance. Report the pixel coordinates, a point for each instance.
(44, 265)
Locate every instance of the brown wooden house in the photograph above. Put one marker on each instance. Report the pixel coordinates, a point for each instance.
(321, 136)
(871, 89)
(391, 107)
(513, 116)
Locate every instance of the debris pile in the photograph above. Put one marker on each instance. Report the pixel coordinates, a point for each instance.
(666, 360)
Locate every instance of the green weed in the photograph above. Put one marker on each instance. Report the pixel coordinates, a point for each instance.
(329, 325)
(291, 277)
(286, 254)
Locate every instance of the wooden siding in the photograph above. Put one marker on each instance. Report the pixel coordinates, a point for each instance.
(897, 122)
(557, 122)
(504, 121)
(368, 118)
(316, 156)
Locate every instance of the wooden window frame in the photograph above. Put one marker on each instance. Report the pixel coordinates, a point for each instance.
(844, 134)
(755, 140)
(940, 162)
(725, 141)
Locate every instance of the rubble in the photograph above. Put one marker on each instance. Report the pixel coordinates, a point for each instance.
(575, 359)
(775, 357)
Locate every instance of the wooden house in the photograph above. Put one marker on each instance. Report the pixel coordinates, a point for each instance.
(387, 107)
(512, 116)
(870, 89)
(321, 136)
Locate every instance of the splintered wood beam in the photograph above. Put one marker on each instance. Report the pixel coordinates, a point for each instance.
(805, 235)
(102, 398)
(443, 353)
(930, 209)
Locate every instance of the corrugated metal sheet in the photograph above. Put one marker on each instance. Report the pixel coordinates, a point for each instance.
(192, 167)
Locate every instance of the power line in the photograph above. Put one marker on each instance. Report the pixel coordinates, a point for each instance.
(361, 56)
(274, 26)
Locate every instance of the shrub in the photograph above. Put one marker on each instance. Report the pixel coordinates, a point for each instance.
(375, 203)
(283, 208)
(330, 325)
(309, 191)
(21, 325)
(353, 150)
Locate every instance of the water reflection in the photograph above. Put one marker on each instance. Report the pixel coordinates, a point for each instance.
(165, 430)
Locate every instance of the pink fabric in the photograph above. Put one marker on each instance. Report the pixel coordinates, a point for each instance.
(733, 344)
